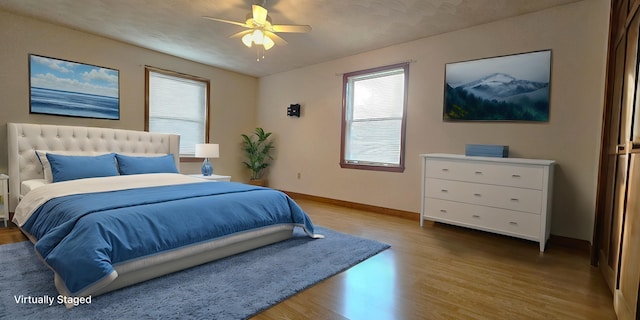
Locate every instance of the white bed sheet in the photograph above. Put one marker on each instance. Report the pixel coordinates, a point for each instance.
(38, 196)
(28, 185)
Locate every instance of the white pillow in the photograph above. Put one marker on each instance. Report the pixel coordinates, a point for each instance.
(46, 166)
(28, 185)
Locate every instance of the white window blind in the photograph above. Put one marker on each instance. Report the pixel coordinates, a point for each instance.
(178, 105)
(374, 117)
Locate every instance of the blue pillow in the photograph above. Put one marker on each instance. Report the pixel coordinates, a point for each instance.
(140, 165)
(64, 168)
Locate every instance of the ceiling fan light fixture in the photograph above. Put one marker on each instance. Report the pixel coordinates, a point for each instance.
(258, 36)
(267, 43)
(247, 39)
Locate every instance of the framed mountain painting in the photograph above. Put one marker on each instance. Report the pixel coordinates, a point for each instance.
(66, 88)
(506, 88)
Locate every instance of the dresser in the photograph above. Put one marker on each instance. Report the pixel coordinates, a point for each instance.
(510, 196)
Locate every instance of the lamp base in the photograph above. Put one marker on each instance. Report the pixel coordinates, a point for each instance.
(207, 168)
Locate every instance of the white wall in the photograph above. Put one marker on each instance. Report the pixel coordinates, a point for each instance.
(233, 95)
(310, 145)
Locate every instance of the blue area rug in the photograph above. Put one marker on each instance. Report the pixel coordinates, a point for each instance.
(236, 287)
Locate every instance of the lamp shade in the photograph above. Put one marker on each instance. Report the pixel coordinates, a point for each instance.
(207, 150)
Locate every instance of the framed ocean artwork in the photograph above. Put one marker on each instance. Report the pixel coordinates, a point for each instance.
(507, 88)
(66, 88)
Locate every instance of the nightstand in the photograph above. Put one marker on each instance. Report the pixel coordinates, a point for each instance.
(213, 177)
(4, 204)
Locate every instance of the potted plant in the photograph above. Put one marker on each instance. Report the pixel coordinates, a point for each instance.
(258, 147)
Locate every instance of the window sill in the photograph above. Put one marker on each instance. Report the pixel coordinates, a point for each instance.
(190, 159)
(345, 165)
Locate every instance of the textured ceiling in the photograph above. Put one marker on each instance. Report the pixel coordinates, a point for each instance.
(340, 28)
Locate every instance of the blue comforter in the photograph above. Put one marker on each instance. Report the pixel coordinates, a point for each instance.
(81, 237)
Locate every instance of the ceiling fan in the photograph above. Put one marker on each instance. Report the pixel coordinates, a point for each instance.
(261, 31)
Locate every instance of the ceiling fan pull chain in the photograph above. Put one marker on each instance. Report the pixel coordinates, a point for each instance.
(258, 53)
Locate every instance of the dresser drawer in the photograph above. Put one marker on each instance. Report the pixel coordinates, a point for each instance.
(526, 200)
(513, 175)
(513, 223)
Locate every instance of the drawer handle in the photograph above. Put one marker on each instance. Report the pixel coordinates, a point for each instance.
(478, 172)
(444, 190)
(513, 223)
(476, 216)
(443, 210)
(477, 194)
(515, 176)
(445, 169)
(515, 199)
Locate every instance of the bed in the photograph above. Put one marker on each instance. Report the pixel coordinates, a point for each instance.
(101, 230)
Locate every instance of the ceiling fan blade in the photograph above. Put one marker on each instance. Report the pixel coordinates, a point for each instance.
(276, 38)
(242, 24)
(291, 28)
(259, 14)
(241, 34)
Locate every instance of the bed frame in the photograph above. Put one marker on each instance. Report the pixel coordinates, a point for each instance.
(24, 139)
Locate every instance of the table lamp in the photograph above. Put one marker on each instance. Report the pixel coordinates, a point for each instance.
(206, 151)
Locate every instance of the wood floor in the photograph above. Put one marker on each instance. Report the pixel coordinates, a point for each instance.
(442, 272)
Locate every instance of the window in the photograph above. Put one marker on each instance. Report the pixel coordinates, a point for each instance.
(374, 117)
(178, 103)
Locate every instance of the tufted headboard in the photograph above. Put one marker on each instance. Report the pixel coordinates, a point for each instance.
(25, 138)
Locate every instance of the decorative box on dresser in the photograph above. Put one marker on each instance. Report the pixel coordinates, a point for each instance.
(510, 196)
